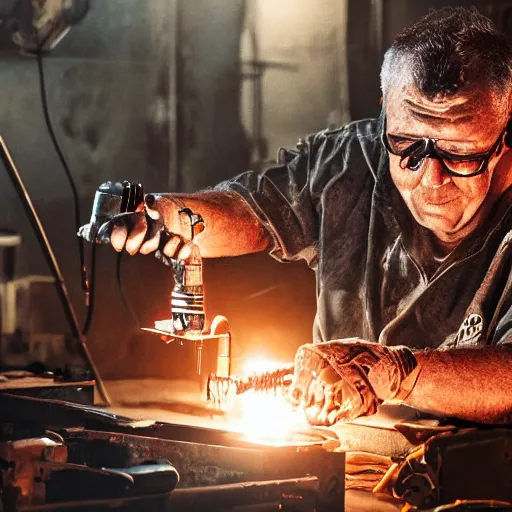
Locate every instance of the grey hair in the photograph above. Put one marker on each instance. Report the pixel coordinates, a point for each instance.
(449, 49)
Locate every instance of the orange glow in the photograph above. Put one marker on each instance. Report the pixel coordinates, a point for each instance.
(265, 416)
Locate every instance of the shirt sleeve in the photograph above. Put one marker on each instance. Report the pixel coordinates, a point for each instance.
(280, 196)
(286, 197)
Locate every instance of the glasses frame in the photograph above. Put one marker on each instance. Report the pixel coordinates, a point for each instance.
(426, 147)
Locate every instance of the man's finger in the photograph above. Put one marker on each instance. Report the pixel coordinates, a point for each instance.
(327, 405)
(172, 245)
(118, 237)
(137, 234)
(315, 394)
(150, 245)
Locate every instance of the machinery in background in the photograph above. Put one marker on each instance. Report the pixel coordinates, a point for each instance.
(31, 327)
(39, 25)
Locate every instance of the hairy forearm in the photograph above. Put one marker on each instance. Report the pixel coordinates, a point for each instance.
(471, 384)
(231, 227)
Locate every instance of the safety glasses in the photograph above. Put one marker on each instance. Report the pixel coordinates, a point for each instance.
(412, 153)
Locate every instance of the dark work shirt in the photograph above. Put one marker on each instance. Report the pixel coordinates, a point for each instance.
(333, 204)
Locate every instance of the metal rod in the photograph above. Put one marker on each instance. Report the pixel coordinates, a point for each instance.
(51, 260)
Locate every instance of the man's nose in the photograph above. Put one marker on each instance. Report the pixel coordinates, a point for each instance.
(434, 176)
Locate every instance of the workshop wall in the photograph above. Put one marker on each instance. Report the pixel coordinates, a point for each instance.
(301, 47)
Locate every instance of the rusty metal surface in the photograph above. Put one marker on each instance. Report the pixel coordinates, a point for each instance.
(245, 475)
(201, 464)
(294, 494)
(204, 458)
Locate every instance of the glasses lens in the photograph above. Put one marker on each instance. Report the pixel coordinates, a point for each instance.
(397, 145)
(413, 152)
(464, 167)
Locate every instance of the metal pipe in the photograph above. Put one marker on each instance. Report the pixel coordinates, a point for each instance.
(51, 260)
(220, 327)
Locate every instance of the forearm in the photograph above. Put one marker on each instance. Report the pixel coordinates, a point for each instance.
(231, 227)
(471, 384)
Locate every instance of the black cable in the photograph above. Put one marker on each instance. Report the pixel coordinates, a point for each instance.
(83, 269)
(92, 282)
(124, 298)
(51, 132)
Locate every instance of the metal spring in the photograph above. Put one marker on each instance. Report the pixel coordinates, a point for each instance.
(218, 387)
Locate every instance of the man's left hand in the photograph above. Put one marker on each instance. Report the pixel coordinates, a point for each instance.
(344, 379)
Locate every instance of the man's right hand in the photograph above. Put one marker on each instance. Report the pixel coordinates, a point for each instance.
(153, 228)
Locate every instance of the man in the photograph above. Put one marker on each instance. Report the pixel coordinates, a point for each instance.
(406, 220)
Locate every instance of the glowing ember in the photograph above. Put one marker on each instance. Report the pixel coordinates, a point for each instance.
(266, 416)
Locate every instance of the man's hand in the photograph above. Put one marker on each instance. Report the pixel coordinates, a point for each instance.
(231, 227)
(144, 230)
(344, 379)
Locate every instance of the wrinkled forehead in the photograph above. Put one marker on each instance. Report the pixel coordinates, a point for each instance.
(475, 113)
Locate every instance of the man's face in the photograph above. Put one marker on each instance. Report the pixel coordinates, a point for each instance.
(467, 123)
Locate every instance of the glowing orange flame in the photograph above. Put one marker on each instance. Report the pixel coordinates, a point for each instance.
(265, 416)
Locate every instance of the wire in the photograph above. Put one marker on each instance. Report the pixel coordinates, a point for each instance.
(92, 282)
(86, 286)
(124, 298)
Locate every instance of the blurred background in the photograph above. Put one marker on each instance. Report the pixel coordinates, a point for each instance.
(178, 95)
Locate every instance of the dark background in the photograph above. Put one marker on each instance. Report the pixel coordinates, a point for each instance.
(158, 91)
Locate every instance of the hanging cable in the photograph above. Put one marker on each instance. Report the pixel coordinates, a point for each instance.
(86, 286)
(92, 282)
(76, 201)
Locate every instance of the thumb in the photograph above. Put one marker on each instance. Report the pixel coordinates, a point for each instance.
(164, 208)
(152, 205)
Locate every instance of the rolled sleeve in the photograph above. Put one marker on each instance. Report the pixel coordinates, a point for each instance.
(281, 198)
(288, 197)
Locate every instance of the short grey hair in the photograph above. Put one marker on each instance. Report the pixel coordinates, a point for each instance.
(447, 50)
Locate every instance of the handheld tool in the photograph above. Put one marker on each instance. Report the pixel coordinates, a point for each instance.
(188, 319)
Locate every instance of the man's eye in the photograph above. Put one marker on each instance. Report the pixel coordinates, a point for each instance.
(399, 144)
(463, 166)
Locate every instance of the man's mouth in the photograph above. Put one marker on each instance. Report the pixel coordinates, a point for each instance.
(439, 199)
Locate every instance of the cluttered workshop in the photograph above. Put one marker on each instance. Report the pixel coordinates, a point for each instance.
(191, 380)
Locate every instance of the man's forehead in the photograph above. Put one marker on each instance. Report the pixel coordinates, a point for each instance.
(472, 114)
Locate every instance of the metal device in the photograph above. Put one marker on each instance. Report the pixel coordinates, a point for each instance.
(39, 471)
(111, 199)
(188, 320)
(468, 464)
(39, 25)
